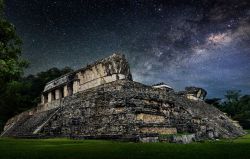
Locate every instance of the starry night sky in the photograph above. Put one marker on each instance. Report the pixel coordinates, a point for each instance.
(182, 43)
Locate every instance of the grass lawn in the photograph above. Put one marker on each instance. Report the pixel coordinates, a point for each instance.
(76, 149)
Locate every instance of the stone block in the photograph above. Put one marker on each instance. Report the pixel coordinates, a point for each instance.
(149, 118)
(65, 91)
(58, 94)
(159, 130)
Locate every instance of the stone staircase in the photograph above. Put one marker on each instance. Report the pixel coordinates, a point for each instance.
(28, 124)
(13, 130)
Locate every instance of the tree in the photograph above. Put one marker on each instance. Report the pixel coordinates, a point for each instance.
(235, 105)
(11, 63)
(232, 95)
(232, 101)
(243, 111)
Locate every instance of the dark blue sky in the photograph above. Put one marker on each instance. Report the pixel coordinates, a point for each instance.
(182, 43)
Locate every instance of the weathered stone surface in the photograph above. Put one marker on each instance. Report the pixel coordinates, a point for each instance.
(183, 139)
(130, 110)
(159, 130)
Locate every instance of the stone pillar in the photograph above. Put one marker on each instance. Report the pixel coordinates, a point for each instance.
(58, 94)
(49, 97)
(65, 91)
(42, 99)
(75, 87)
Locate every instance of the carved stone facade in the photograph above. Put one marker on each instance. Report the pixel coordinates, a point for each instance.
(103, 71)
(102, 101)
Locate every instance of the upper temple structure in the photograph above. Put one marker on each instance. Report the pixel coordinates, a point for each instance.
(101, 101)
(103, 71)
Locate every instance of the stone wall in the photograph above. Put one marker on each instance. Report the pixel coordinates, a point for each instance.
(86, 84)
(104, 71)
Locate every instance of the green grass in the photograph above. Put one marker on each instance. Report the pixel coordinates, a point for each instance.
(76, 149)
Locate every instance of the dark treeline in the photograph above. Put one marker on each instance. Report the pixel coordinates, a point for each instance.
(237, 106)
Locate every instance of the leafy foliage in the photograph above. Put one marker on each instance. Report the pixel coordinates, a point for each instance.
(11, 64)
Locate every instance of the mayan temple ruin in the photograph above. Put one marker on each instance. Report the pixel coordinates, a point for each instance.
(101, 101)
